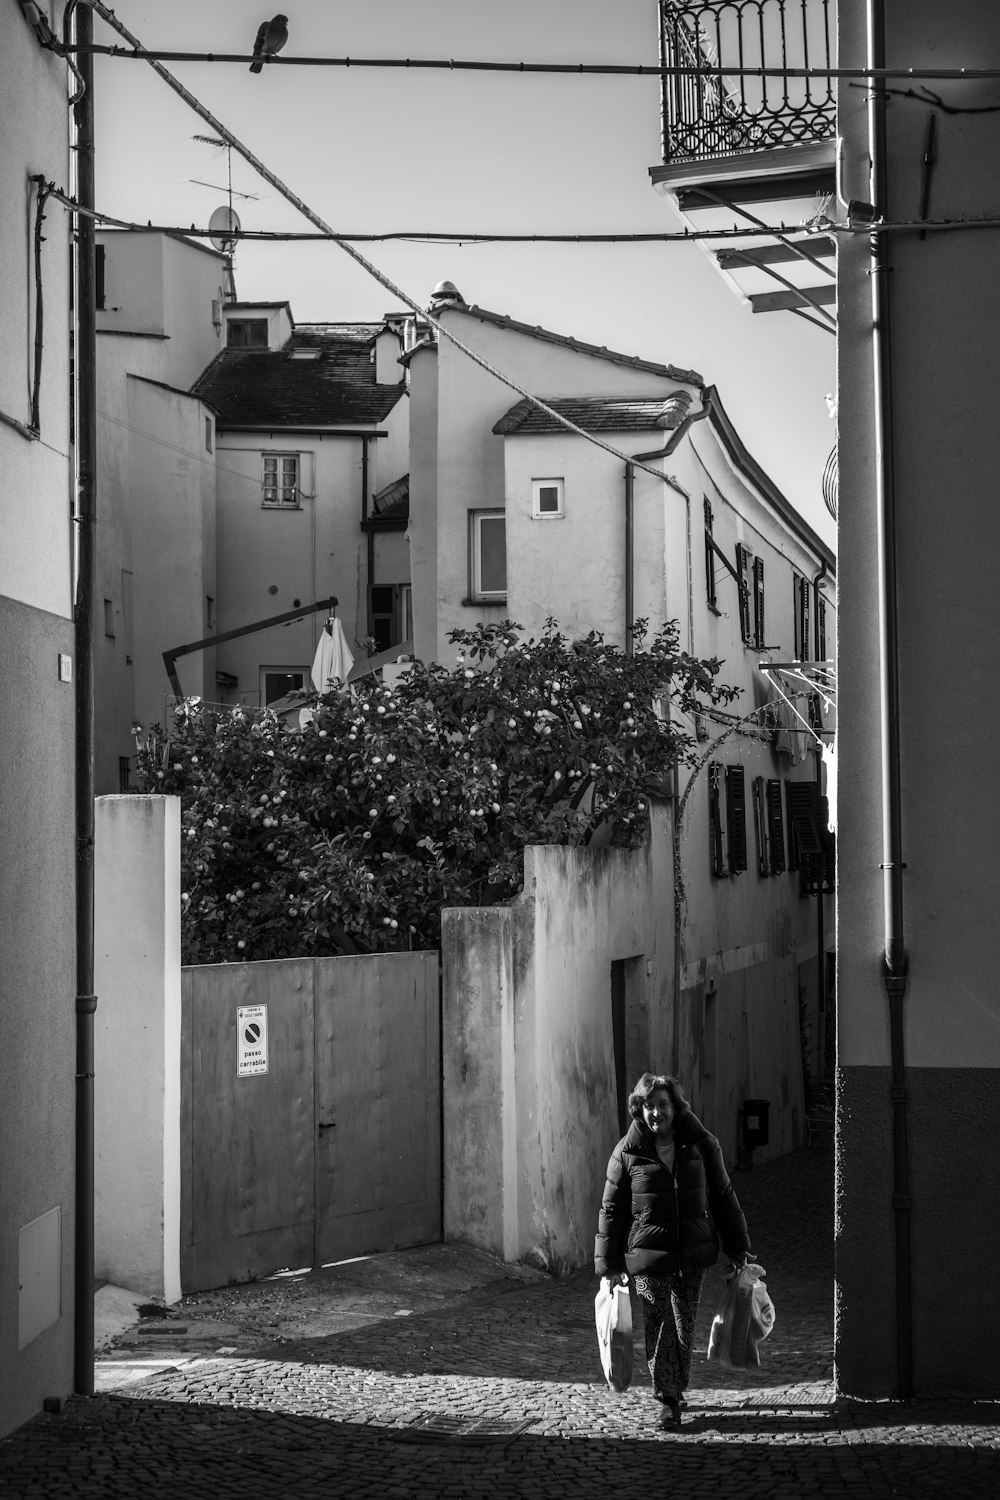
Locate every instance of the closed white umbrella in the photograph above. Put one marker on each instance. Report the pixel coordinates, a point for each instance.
(333, 660)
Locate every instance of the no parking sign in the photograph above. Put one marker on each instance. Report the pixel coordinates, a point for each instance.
(251, 1040)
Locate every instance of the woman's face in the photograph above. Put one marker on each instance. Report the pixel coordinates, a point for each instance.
(658, 1112)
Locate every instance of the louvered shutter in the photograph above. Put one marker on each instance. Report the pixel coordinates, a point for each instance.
(736, 819)
(743, 588)
(758, 602)
(718, 864)
(805, 844)
(760, 824)
(775, 828)
(709, 555)
(821, 627)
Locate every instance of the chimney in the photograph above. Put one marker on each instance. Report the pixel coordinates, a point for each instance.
(388, 348)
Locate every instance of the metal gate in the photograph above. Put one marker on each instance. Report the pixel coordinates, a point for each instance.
(315, 1136)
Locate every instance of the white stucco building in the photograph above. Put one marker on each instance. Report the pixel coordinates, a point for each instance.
(312, 433)
(37, 716)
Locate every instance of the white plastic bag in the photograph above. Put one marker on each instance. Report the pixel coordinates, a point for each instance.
(743, 1318)
(613, 1316)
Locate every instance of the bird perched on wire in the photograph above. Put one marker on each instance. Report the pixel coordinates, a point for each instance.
(271, 37)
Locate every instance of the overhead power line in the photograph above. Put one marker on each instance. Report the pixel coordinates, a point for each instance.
(479, 237)
(470, 65)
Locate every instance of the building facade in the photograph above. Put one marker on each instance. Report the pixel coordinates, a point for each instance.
(37, 714)
(312, 434)
(159, 323)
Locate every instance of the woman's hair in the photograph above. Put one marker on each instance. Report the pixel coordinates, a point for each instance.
(648, 1084)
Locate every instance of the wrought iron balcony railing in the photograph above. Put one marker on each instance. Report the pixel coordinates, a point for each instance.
(725, 112)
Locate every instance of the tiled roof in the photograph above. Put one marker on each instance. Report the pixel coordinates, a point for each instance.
(268, 388)
(599, 414)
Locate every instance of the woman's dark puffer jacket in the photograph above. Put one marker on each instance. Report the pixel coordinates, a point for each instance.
(653, 1222)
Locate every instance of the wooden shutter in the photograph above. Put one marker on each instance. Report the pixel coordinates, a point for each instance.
(709, 555)
(821, 626)
(760, 824)
(736, 819)
(805, 844)
(758, 602)
(801, 599)
(743, 589)
(775, 828)
(715, 818)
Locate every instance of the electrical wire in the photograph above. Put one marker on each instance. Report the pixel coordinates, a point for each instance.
(458, 65)
(472, 237)
(441, 236)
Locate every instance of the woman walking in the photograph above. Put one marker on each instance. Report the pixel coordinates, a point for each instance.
(668, 1202)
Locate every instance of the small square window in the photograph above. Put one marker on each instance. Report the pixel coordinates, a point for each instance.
(547, 498)
(488, 556)
(281, 480)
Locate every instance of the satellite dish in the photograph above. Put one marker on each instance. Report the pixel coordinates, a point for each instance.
(224, 225)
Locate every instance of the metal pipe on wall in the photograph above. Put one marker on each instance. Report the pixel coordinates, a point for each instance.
(86, 1000)
(895, 963)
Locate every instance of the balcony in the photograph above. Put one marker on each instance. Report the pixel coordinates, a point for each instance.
(751, 151)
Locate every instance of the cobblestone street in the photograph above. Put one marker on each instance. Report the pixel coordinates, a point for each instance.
(498, 1391)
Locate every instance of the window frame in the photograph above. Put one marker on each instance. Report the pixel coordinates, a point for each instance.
(477, 594)
(279, 456)
(537, 485)
(264, 672)
(246, 324)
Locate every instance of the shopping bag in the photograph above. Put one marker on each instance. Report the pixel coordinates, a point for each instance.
(613, 1316)
(743, 1318)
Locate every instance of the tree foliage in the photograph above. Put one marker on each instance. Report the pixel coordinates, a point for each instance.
(353, 832)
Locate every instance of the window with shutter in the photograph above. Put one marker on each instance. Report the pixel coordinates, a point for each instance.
(805, 843)
(800, 592)
(821, 626)
(775, 828)
(715, 817)
(758, 603)
(736, 819)
(709, 555)
(760, 824)
(743, 589)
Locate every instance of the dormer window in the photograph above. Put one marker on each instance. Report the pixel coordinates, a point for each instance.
(246, 333)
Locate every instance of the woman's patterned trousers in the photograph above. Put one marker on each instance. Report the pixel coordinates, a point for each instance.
(670, 1307)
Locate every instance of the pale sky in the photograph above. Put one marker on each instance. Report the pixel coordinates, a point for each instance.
(378, 150)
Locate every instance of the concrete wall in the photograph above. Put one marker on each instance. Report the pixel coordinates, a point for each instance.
(37, 812)
(945, 298)
(137, 1044)
(530, 1096)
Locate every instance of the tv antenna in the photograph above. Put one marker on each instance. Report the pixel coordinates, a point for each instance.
(224, 225)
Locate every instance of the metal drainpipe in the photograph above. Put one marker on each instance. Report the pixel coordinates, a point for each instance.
(86, 1000)
(820, 913)
(895, 962)
(369, 538)
(664, 452)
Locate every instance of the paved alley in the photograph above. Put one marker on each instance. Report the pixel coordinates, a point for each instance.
(497, 1390)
